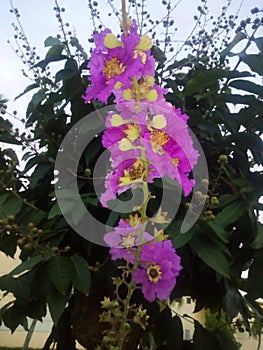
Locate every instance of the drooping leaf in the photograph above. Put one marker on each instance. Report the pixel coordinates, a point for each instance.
(51, 41)
(229, 214)
(210, 251)
(56, 302)
(220, 232)
(15, 316)
(20, 286)
(60, 272)
(29, 88)
(8, 245)
(225, 341)
(202, 80)
(80, 274)
(255, 62)
(203, 339)
(259, 43)
(258, 241)
(248, 86)
(255, 277)
(11, 206)
(28, 264)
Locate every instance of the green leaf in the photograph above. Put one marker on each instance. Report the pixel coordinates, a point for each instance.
(239, 99)
(60, 272)
(80, 274)
(11, 206)
(37, 98)
(234, 303)
(234, 74)
(174, 333)
(255, 62)
(7, 138)
(28, 264)
(211, 253)
(219, 231)
(39, 173)
(54, 211)
(37, 308)
(28, 88)
(255, 277)
(259, 43)
(75, 42)
(226, 199)
(51, 41)
(229, 214)
(239, 37)
(179, 239)
(203, 339)
(158, 54)
(248, 86)
(245, 185)
(225, 341)
(202, 80)
(253, 142)
(15, 316)
(54, 54)
(8, 245)
(179, 64)
(168, 330)
(64, 74)
(56, 302)
(258, 241)
(20, 286)
(77, 213)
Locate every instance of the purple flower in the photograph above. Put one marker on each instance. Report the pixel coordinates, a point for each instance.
(125, 238)
(159, 266)
(114, 63)
(170, 147)
(163, 135)
(126, 175)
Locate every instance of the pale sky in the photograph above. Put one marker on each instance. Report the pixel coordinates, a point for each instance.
(39, 22)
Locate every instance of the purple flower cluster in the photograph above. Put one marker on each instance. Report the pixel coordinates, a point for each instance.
(159, 265)
(148, 138)
(114, 63)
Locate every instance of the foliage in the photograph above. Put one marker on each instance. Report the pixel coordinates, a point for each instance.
(218, 321)
(71, 275)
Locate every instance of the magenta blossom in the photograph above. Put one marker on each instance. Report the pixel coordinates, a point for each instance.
(127, 174)
(164, 137)
(115, 63)
(125, 238)
(159, 266)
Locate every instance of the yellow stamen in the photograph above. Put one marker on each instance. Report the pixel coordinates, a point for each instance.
(175, 161)
(154, 273)
(113, 67)
(138, 53)
(158, 140)
(135, 174)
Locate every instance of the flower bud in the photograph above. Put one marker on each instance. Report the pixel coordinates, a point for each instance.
(222, 159)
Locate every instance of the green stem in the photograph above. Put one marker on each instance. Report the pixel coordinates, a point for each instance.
(126, 305)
